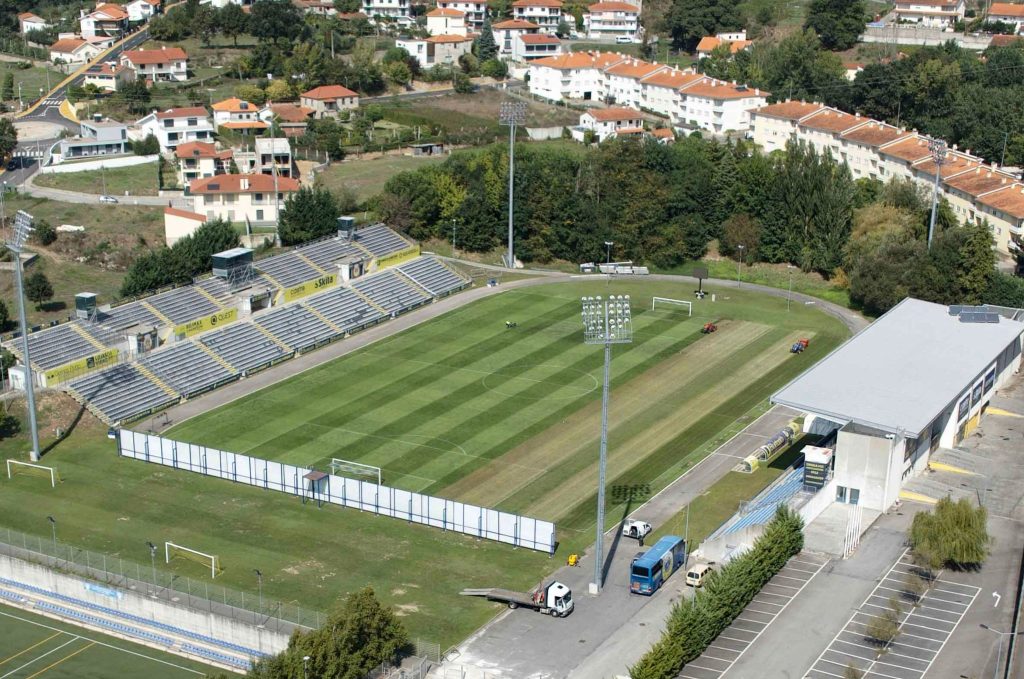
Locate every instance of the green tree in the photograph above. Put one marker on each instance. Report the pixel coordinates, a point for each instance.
(851, 672)
(308, 213)
(150, 146)
(1005, 290)
(348, 6)
(977, 262)
(486, 48)
(232, 21)
(5, 317)
(563, 30)
(954, 532)
(494, 68)
(279, 90)
(38, 289)
(690, 20)
(205, 24)
(276, 20)
(251, 93)
(8, 88)
(135, 95)
(463, 85)
(178, 264)
(838, 23)
(44, 233)
(398, 72)
(8, 138)
(884, 627)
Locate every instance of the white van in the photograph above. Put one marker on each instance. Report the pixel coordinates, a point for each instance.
(696, 576)
(623, 40)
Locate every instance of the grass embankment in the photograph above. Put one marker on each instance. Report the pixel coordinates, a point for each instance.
(121, 182)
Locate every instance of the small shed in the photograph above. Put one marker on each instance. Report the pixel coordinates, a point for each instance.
(427, 149)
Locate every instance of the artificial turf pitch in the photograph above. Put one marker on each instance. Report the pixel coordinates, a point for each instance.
(459, 407)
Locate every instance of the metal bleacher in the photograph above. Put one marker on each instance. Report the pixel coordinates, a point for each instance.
(391, 292)
(326, 253)
(128, 315)
(296, 326)
(288, 269)
(244, 347)
(65, 343)
(181, 305)
(380, 240)
(187, 369)
(762, 508)
(345, 309)
(433, 276)
(120, 392)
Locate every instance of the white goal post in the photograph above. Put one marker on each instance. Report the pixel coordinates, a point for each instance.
(33, 469)
(192, 555)
(355, 468)
(673, 302)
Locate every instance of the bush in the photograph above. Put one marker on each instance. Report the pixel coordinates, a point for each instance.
(44, 234)
(150, 146)
(884, 628)
(694, 623)
(494, 68)
(952, 534)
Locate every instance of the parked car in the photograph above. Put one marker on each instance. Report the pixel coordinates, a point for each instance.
(108, 199)
(13, 164)
(623, 40)
(698, 574)
(636, 529)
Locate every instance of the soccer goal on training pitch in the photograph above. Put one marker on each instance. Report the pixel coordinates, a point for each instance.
(15, 467)
(348, 468)
(172, 551)
(668, 301)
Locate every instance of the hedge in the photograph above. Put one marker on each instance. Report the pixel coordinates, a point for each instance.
(694, 623)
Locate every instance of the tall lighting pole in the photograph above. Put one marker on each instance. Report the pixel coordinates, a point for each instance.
(512, 113)
(739, 260)
(608, 245)
(605, 322)
(19, 235)
(938, 150)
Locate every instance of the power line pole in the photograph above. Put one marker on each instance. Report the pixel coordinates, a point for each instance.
(512, 113)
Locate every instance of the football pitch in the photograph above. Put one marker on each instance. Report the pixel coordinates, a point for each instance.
(34, 646)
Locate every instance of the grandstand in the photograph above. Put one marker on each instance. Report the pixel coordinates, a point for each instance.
(189, 368)
(120, 393)
(762, 508)
(392, 292)
(245, 347)
(297, 327)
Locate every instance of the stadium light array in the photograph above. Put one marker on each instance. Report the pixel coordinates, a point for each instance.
(511, 113)
(16, 243)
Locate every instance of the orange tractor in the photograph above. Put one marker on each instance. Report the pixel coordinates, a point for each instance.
(709, 328)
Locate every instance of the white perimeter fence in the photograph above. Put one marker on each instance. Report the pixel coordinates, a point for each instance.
(481, 522)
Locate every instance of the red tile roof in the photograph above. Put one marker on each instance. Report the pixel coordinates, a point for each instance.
(709, 42)
(874, 134)
(184, 213)
(634, 68)
(232, 183)
(573, 60)
(979, 181)
(114, 12)
(233, 105)
(663, 133)
(329, 92)
(1009, 200)
(1005, 9)
(160, 56)
(789, 110)
(1005, 40)
(29, 15)
(537, 3)
(196, 149)
(955, 163)
(614, 113)
(912, 148)
(245, 125)
(445, 12)
(613, 7)
(67, 45)
(291, 113)
(832, 120)
(717, 89)
(184, 112)
(441, 39)
(539, 39)
(515, 24)
(671, 78)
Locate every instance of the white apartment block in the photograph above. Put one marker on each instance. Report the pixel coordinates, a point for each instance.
(177, 126)
(446, 22)
(609, 122)
(660, 91)
(931, 13)
(612, 20)
(474, 12)
(546, 14)
(718, 106)
(575, 75)
(395, 10)
(242, 197)
(622, 81)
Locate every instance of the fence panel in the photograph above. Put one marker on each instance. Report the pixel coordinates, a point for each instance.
(482, 522)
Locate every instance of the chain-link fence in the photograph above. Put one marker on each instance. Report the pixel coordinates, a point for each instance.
(198, 595)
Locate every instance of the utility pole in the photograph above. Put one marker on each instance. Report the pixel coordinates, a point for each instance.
(938, 149)
(739, 261)
(512, 113)
(19, 235)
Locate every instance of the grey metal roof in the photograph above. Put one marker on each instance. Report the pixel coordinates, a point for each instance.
(901, 371)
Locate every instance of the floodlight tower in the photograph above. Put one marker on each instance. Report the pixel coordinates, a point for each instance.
(605, 322)
(512, 113)
(19, 235)
(938, 149)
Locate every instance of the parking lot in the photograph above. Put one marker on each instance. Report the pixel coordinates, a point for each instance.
(924, 629)
(723, 653)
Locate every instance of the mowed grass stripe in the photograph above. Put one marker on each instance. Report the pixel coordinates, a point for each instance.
(640, 436)
(503, 478)
(685, 450)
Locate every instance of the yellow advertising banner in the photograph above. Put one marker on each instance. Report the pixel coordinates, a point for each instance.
(309, 287)
(396, 258)
(205, 323)
(70, 371)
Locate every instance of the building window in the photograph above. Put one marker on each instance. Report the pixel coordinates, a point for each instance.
(840, 493)
(854, 496)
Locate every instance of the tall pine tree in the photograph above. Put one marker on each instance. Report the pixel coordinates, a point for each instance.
(486, 48)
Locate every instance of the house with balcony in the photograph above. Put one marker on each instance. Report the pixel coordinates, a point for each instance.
(73, 51)
(96, 137)
(167, 64)
(532, 46)
(1004, 210)
(573, 75)
(505, 33)
(736, 40)
(238, 115)
(473, 12)
(446, 22)
(106, 20)
(266, 156)
(930, 13)
(660, 90)
(109, 76)
(607, 123)
(776, 124)
(27, 22)
(396, 11)
(545, 14)
(329, 100)
(177, 126)
(718, 106)
(255, 198)
(141, 11)
(612, 20)
(199, 159)
(437, 50)
(824, 130)
(292, 119)
(861, 148)
(622, 81)
(1007, 13)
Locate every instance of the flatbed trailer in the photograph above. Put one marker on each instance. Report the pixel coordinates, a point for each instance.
(554, 598)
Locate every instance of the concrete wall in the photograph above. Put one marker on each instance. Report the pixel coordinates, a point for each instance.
(905, 34)
(140, 604)
(870, 464)
(118, 161)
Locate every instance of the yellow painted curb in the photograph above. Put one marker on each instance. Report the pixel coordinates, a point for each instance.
(999, 411)
(943, 467)
(917, 497)
(68, 111)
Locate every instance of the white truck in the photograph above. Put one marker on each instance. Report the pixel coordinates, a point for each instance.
(636, 529)
(553, 598)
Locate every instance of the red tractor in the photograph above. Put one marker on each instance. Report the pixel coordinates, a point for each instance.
(709, 328)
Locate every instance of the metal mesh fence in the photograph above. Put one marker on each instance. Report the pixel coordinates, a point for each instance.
(198, 595)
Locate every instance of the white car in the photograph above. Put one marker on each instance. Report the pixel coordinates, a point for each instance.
(636, 529)
(108, 199)
(623, 40)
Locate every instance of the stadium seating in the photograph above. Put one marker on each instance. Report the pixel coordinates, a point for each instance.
(297, 327)
(120, 392)
(380, 240)
(391, 292)
(187, 369)
(182, 305)
(326, 253)
(762, 508)
(128, 315)
(243, 346)
(344, 308)
(433, 276)
(288, 269)
(65, 343)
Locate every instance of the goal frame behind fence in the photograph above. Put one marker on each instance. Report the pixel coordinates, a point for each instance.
(356, 468)
(214, 568)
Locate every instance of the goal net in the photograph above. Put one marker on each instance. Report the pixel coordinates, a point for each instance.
(668, 301)
(348, 468)
(17, 467)
(173, 551)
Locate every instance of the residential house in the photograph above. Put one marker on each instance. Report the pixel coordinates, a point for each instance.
(606, 123)
(546, 14)
(899, 156)
(660, 91)
(177, 126)
(474, 12)
(106, 20)
(167, 64)
(663, 135)
(199, 159)
(97, 137)
(292, 119)
(737, 42)
(27, 21)
(531, 46)
(388, 10)
(1004, 211)
(108, 76)
(255, 198)
(318, 7)
(824, 129)
(180, 223)
(506, 32)
(718, 106)
(446, 22)
(776, 124)
(862, 144)
(573, 75)
(622, 81)
(73, 51)
(141, 11)
(852, 68)
(268, 155)
(1008, 13)
(437, 49)
(612, 19)
(930, 13)
(329, 100)
(236, 114)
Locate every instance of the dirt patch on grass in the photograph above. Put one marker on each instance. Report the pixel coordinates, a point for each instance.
(402, 610)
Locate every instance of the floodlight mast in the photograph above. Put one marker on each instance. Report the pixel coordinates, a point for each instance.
(938, 149)
(512, 113)
(19, 236)
(605, 322)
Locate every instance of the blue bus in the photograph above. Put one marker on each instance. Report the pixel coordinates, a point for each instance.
(650, 571)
